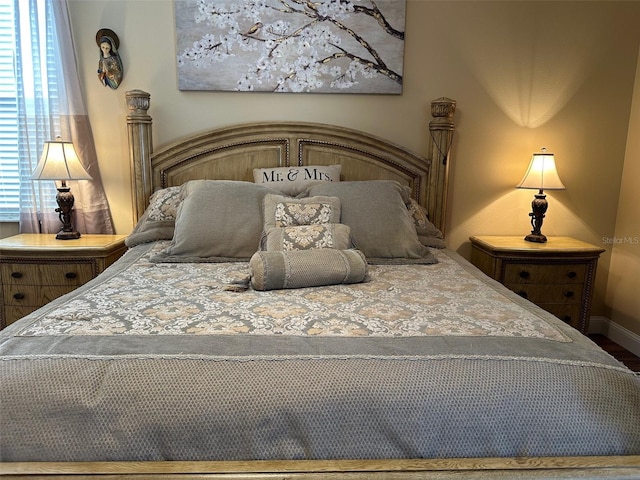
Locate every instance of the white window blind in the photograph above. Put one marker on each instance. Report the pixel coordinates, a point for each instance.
(9, 168)
(28, 91)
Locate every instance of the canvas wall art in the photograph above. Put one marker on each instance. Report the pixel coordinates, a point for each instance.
(326, 46)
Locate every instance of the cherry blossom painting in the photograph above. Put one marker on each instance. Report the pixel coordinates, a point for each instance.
(323, 46)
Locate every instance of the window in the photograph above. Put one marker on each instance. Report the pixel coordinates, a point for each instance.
(29, 112)
(9, 168)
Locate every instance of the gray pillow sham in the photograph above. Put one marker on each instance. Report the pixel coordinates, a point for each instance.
(218, 220)
(377, 213)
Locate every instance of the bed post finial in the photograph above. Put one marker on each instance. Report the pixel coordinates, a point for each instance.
(443, 108)
(138, 102)
(441, 130)
(140, 146)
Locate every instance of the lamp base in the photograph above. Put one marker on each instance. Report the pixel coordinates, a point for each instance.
(62, 235)
(65, 207)
(535, 237)
(539, 207)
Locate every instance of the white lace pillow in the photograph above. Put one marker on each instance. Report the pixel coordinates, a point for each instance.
(293, 180)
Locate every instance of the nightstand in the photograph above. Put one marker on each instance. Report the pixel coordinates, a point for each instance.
(557, 275)
(36, 269)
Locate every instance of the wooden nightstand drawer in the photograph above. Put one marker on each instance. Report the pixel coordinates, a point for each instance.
(50, 274)
(548, 293)
(569, 313)
(34, 295)
(545, 273)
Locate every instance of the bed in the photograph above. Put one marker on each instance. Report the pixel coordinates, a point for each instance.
(288, 309)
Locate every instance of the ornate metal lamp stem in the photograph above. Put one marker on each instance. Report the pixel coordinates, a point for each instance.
(539, 206)
(65, 201)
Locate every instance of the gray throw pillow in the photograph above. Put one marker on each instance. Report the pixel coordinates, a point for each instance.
(376, 211)
(217, 220)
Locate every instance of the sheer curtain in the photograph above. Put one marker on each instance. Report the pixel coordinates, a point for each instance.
(50, 104)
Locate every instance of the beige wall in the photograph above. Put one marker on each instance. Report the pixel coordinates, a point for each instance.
(524, 74)
(624, 273)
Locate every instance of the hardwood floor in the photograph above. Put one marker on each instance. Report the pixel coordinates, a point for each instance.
(624, 356)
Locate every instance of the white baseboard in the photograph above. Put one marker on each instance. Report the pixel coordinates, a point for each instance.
(622, 336)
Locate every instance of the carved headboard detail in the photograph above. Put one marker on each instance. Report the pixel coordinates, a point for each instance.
(232, 152)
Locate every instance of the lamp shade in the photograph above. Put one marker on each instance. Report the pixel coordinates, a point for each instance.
(542, 173)
(59, 161)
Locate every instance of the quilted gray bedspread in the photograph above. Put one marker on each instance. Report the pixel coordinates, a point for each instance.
(162, 362)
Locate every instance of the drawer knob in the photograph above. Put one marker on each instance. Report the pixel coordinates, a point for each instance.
(523, 294)
(70, 275)
(572, 274)
(524, 274)
(18, 296)
(16, 274)
(569, 294)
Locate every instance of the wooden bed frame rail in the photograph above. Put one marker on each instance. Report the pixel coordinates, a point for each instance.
(621, 467)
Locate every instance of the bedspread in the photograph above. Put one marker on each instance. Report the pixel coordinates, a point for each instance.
(150, 298)
(160, 362)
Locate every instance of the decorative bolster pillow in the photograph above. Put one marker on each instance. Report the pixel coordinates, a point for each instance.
(306, 268)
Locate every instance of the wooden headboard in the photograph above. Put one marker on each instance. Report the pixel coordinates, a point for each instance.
(232, 152)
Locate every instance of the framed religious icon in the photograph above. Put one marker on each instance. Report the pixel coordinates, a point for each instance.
(110, 69)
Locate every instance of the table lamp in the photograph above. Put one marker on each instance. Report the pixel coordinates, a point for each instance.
(541, 175)
(59, 161)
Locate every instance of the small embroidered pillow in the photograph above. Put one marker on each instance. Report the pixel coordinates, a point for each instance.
(158, 220)
(307, 237)
(281, 211)
(428, 233)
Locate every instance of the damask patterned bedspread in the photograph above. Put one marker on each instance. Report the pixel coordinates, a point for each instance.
(409, 300)
(163, 362)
